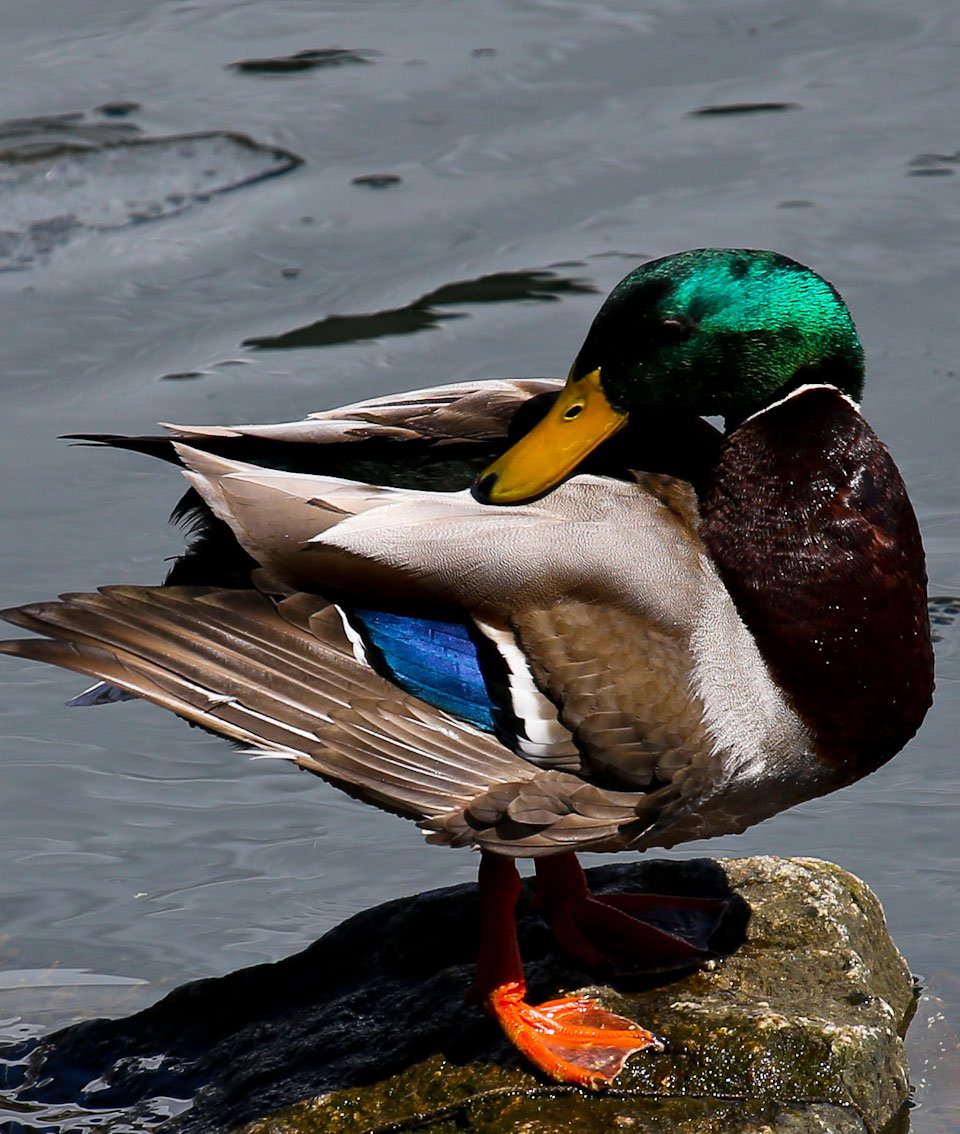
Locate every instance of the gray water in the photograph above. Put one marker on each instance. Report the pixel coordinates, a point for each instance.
(558, 137)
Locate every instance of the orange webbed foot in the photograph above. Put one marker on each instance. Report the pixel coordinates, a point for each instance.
(573, 1040)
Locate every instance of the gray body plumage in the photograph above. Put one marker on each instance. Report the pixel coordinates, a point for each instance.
(646, 712)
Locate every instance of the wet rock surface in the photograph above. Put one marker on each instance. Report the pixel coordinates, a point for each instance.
(368, 1030)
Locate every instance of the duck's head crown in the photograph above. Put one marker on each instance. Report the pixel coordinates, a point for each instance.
(720, 331)
(724, 331)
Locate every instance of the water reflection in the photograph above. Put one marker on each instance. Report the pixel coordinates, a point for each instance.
(422, 315)
(61, 176)
(310, 59)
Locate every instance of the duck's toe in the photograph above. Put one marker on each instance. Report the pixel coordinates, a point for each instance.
(626, 933)
(573, 1040)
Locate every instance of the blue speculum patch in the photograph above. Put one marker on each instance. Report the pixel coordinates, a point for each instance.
(434, 660)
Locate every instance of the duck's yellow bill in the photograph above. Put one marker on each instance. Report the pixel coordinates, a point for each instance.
(579, 420)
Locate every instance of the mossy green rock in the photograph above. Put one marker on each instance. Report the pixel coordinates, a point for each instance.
(799, 1030)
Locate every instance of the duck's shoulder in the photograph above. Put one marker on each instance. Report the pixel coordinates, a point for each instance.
(810, 526)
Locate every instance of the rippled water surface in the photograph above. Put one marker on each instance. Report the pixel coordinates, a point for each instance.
(472, 179)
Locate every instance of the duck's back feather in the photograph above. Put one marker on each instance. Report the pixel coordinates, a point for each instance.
(604, 590)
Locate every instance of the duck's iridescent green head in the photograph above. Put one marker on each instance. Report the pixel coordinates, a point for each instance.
(720, 331)
(713, 331)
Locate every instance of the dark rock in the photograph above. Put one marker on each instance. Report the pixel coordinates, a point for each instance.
(799, 1031)
(799, 1028)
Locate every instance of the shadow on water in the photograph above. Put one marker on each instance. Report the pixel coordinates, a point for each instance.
(422, 314)
(943, 611)
(311, 59)
(380, 993)
(729, 109)
(934, 165)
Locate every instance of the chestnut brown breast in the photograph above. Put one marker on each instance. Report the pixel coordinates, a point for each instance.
(809, 523)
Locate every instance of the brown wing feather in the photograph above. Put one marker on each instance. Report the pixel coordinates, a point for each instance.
(282, 677)
(207, 655)
(638, 722)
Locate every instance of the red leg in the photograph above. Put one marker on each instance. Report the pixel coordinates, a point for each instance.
(630, 932)
(572, 1040)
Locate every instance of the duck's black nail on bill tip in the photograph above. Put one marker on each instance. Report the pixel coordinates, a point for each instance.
(482, 489)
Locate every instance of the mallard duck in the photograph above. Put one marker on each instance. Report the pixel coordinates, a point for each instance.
(633, 631)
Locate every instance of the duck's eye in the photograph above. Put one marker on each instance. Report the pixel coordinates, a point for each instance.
(573, 411)
(677, 328)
